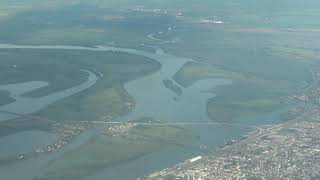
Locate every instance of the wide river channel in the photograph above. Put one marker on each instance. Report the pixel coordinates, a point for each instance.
(152, 99)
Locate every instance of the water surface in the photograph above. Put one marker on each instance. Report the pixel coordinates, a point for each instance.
(153, 99)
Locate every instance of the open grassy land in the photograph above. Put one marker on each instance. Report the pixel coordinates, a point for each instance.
(117, 144)
(265, 47)
(192, 72)
(248, 95)
(110, 18)
(257, 46)
(24, 124)
(245, 98)
(33, 65)
(252, 44)
(81, 24)
(263, 79)
(106, 99)
(268, 59)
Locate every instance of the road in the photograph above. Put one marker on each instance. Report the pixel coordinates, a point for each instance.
(138, 123)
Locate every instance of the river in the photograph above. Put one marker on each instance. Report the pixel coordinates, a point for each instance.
(152, 99)
(26, 105)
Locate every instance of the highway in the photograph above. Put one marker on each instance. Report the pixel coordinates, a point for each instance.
(167, 124)
(137, 123)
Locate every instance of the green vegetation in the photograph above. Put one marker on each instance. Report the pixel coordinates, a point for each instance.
(248, 95)
(264, 76)
(193, 71)
(97, 103)
(34, 65)
(62, 70)
(105, 150)
(107, 97)
(293, 114)
(256, 49)
(247, 98)
(24, 124)
(84, 25)
(173, 87)
(265, 47)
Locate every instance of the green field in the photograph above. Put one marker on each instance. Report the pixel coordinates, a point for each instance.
(266, 63)
(249, 94)
(85, 25)
(265, 50)
(107, 98)
(33, 65)
(268, 49)
(24, 124)
(248, 98)
(192, 72)
(105, 150)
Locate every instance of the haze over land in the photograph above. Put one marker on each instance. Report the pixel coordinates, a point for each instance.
(119, 89)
